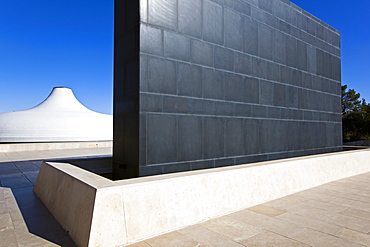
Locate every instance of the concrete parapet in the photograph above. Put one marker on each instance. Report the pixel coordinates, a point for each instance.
(358, 143)
(37, 146)
(100, 212)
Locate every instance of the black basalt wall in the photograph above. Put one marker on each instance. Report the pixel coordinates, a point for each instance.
(208, 83)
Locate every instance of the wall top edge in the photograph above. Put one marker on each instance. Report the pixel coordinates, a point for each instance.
(287, 2)
(308, 14)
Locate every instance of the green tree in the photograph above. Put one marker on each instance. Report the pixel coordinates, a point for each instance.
(355, 116)
(350, 99)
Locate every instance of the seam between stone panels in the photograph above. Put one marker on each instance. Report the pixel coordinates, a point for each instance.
(288, 34)
(239, 117)
(236, 102)
(245, 156)
(318, 21)
(250, 17)
(247, 75)
(252, 56)
(223, 46)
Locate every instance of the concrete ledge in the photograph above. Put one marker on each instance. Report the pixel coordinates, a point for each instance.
(358, 143)
(100, 212)
(19, 147)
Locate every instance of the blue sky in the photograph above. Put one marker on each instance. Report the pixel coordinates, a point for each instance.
(47, 43)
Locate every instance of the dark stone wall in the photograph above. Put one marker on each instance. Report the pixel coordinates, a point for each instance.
(223, 82)
(126, 117)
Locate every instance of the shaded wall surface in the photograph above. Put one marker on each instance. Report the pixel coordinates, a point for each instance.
(202, 83)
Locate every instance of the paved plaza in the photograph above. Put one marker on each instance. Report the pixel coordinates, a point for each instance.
(24, 220)
(334, 214)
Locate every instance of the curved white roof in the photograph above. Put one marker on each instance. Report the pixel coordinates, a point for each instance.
(61, 117)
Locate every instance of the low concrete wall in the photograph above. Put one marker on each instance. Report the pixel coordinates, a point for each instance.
(358, 143)
(20, 147)
(100, 212)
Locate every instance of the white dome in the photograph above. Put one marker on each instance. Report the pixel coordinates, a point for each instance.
(61, 117)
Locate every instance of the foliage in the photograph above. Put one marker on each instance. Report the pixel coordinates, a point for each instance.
(355, 116)
(350, 100)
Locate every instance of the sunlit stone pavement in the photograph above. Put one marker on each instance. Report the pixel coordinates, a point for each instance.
(24, 220)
